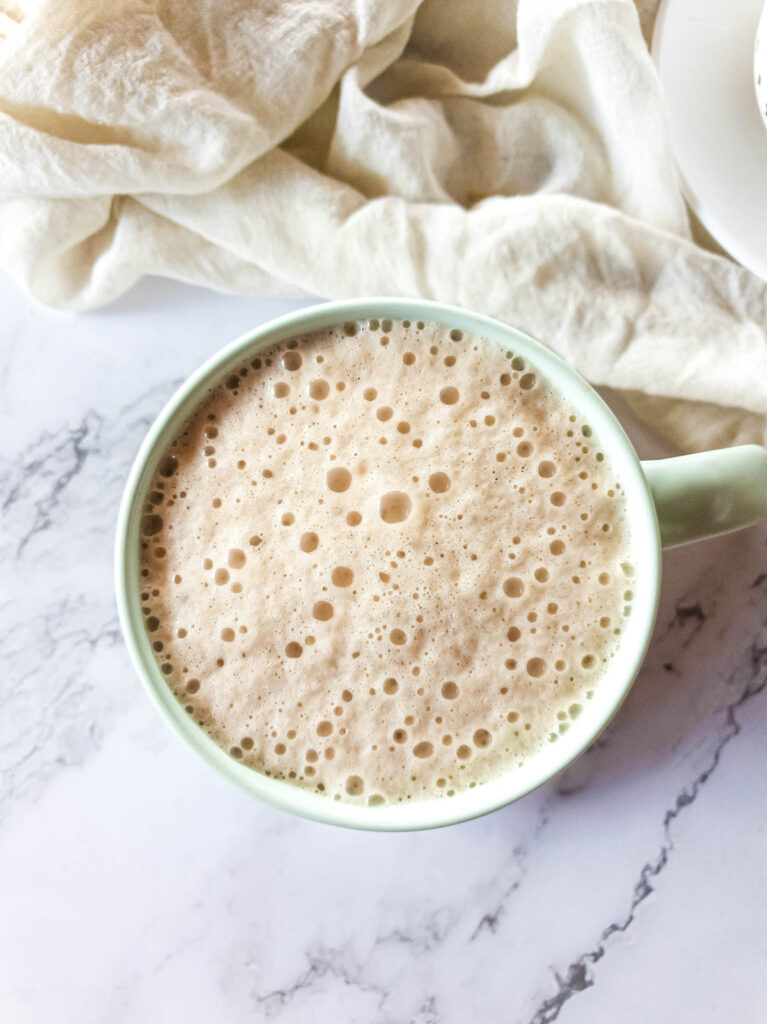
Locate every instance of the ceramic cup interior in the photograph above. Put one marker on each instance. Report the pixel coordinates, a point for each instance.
(503, 789)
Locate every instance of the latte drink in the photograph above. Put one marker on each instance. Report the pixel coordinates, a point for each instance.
(385, 561)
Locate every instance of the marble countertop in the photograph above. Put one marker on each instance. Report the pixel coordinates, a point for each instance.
(138, 886)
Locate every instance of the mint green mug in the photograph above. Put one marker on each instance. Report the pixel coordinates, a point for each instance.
(670, 502)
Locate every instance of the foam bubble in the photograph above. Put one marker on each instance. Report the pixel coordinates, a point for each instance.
(342, 576)
(292, 361)
(339, 479)
(322, 611)
(168, 466)
(439, 482)
(236, 558)
(151, 525)
(394, 507)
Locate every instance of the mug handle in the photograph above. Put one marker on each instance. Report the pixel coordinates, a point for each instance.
(708, 493)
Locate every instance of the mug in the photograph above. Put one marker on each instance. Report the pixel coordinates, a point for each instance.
(668, 502)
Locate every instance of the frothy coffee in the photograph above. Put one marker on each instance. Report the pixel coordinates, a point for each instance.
(385, 561)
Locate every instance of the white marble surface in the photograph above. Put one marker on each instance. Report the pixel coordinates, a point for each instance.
(137, 886)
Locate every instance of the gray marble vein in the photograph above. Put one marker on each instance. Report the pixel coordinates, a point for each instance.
(58, 499)
(749, 676)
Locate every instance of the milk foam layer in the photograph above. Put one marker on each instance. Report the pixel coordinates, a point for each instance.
(385, 561)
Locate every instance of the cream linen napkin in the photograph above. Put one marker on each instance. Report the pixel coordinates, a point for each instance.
(511, 158)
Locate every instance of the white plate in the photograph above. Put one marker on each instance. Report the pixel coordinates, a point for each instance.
(704, 51)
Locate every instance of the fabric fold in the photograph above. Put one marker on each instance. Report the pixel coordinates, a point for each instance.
(514, 159)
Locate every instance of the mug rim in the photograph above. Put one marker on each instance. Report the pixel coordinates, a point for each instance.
(420, 814)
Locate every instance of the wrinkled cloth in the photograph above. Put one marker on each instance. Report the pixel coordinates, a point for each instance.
(513, 158)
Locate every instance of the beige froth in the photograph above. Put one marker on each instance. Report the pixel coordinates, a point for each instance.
(385, 562)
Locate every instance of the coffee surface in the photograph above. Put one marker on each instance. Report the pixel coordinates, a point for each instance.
(385, 561)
